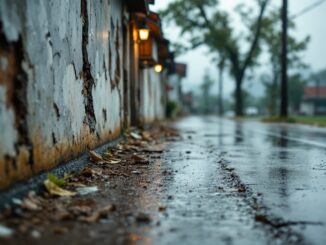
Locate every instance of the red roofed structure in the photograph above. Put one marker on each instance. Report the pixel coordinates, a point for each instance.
(314, 98)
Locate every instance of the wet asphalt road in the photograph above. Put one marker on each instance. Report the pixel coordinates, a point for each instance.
(287, 164)
(210, 184)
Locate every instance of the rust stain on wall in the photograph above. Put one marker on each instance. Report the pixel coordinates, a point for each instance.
(15, 79)
(15, 172)
(9, 66)
(64, 151)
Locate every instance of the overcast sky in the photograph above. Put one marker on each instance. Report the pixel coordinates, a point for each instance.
(312, 23)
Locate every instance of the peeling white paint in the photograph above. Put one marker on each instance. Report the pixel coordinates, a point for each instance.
(151, 104)
(73, 106)
(51, 34)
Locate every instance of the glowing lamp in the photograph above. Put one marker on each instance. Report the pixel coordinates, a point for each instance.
(158, 68)
(143, 34)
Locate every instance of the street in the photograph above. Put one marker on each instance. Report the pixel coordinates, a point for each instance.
(287, 164)
(218, 182)
(162, 122)
(284, 164)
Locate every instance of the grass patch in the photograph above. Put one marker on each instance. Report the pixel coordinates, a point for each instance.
(309, 120)
(276, 119)
(312, 120)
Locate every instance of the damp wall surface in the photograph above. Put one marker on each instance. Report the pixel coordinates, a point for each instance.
(61, 81)
(152, 98)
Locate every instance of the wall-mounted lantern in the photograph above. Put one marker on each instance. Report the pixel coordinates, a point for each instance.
(143, 33)
(146, 49)
(149, 33)
(148, 52)
(143, 29)
(158, 68)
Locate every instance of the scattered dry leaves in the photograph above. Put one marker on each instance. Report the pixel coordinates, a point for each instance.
(40, 211)
(31, 203)
(139, 158)
(95, 157)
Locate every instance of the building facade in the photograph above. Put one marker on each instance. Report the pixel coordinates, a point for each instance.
(178, 72)
(71, 79)
(314, 97)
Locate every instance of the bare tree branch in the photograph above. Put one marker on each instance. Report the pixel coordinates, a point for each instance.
(256, 38)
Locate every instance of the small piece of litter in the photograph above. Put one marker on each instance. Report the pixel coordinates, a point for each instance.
(86, 190)
(135, 136)
(16, 201)
(135, 172)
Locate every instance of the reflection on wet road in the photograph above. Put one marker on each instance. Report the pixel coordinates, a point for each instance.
(282, 164)
(286, 163)
(203, 208)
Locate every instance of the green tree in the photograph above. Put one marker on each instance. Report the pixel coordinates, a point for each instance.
(205, 24)
(206, 87)
(271, 85)
(296, 87)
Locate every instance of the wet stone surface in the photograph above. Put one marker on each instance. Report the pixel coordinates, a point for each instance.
(190, 192)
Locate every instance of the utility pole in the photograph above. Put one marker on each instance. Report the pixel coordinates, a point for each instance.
(220, 88)
(284, 77)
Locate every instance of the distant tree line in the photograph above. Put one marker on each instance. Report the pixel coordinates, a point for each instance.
(204, 23)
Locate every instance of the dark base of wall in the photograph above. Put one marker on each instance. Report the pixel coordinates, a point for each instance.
(20, 189)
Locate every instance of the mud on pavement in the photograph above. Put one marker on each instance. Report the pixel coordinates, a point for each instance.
(159, 186)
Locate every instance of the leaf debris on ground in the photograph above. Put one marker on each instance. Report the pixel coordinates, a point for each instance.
(55, 190)
(66, 200)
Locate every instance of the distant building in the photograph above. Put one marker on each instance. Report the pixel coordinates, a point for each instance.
(188, 106)
(178, 71)
(314, 99)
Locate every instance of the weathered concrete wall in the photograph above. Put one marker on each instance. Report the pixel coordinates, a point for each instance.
(60, 81)
(152, 103)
